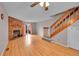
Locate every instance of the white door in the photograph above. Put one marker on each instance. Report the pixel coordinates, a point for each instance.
(74, 37)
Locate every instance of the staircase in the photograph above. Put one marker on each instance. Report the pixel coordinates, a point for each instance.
(68, 18)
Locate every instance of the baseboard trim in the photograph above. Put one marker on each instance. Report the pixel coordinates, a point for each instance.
(59, 44)
(3, 51)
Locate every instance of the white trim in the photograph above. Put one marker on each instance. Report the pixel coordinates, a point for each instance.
(60, 44)
(3, 51)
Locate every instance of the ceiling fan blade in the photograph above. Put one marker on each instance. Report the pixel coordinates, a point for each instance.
(46, 8)
(44, 4)
(34, 4)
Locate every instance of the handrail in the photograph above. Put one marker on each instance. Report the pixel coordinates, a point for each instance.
(65, 26)
(66, 15)
(62, 17)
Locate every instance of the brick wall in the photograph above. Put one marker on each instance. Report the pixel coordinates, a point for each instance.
(15, 24)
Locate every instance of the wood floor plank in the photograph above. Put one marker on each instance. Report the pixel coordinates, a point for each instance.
(38, 47)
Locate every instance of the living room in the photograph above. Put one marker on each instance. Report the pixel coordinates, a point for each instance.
(35, 31)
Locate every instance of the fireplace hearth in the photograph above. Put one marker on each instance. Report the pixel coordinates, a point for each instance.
(16, 33)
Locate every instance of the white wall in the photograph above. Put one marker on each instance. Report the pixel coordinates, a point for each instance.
(34, 28)
(73, 36)
(3, 29)
(61, 38)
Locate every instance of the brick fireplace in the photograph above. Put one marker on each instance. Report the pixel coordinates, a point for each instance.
(15, 28)
(16, 33)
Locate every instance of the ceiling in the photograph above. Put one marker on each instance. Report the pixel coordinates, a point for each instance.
(23, 11)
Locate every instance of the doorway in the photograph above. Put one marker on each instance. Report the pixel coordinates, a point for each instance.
(29, 29)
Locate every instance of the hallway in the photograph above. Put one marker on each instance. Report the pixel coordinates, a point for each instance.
(37, 47)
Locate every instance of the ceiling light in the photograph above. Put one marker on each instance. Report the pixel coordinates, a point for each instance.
(42, 3)
(47, 4)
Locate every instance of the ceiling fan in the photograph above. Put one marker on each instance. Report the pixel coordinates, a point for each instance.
(42, 4)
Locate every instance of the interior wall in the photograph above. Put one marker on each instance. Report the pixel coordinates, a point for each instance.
(73, 36)
(34, 28)
(3, 29)
(61, 38)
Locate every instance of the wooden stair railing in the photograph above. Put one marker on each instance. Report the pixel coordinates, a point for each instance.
(65, 26)
(66, 13)
(69, 22)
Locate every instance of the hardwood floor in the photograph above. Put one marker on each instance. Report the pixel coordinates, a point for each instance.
(38, 47)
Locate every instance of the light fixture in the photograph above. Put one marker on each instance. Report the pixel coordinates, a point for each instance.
(47, 4)
(42, 3)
